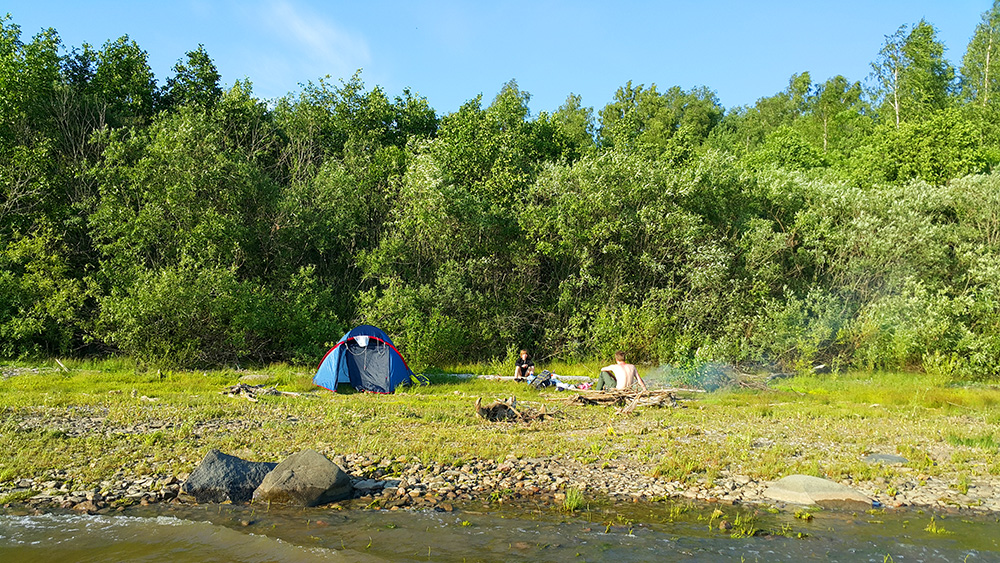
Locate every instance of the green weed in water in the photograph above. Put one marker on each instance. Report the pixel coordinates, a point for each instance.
(573, 500)
(716, 514)
(804, 515)
(499, 495)
(935, 529)
(676, 511)
(744, 525)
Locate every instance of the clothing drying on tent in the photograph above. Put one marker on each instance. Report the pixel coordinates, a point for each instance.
(366, 358)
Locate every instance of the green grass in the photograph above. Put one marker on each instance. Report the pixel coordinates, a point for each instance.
(20, 496)
(817, 425)
(985, 442)
(573, 501)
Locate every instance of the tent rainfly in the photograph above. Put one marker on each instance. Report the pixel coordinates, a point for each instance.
(366, 358)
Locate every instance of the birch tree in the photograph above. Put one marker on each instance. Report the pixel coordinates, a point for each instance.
(911, 76)
(835, 104)
(981, 64)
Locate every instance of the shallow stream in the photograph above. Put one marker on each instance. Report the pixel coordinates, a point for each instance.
(623, 533)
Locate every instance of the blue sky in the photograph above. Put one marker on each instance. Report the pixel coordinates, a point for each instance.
(451, 51)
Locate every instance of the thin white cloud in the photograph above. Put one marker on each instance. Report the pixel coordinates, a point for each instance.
(319, 43)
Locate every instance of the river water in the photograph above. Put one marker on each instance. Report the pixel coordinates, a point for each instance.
(643, 532)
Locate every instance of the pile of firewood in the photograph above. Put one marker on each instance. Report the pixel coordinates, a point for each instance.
(508, 410)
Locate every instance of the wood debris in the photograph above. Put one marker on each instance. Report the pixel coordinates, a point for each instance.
(626, 400)
(251, 392)
(508, 411)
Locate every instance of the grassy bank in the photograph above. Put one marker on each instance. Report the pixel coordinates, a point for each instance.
(93, 420)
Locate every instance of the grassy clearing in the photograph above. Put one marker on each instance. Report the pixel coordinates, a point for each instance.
(158, 421)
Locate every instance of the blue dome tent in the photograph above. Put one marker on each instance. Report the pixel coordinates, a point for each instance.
(366, 358)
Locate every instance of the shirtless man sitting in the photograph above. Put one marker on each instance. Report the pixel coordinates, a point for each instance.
(619, 375)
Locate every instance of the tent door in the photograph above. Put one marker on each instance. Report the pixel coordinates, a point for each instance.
(368, 366)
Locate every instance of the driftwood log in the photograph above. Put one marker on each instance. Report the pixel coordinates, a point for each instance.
(627, 401)
(251, 392)
(508, 411)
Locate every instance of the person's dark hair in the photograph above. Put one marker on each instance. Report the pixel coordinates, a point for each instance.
(619, 356)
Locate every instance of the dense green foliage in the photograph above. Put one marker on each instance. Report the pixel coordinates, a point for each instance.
(836, 222)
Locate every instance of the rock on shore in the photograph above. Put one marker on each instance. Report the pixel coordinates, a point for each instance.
(306, 478)
(806, 489)
(224, 478)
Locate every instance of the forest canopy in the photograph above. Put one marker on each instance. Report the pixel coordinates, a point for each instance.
(849, 222)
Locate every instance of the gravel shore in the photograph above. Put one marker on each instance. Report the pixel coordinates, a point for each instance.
(401, 483)
(408, 483)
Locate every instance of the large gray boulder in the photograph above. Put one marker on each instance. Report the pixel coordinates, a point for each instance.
(306, 478)
(806, 489)
(224, 478)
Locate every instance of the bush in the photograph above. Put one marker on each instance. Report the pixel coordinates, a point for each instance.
(42, 306)
(188, 316)
(901, 330)
(799, 332)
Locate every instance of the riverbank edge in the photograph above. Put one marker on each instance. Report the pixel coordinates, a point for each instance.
(402, 483)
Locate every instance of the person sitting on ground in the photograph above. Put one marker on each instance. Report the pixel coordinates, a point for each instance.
(523, 367)
(619, 375)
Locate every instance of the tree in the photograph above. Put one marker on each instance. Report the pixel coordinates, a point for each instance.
(576, 123)
(125, 83)
(673, 123)
(888, 70)
(176, 192)
(46, 120)
(414, 117)
(785, 107)
(744, 129)
(981, 75)
(29, 73)
(452, 269)
(787, 148)
(42, 298)
(249, 128)
(912, 77)
(835, 106)
(489, 151)
(981, 63)
(196, 81)
(326, 119)
(942, 147)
